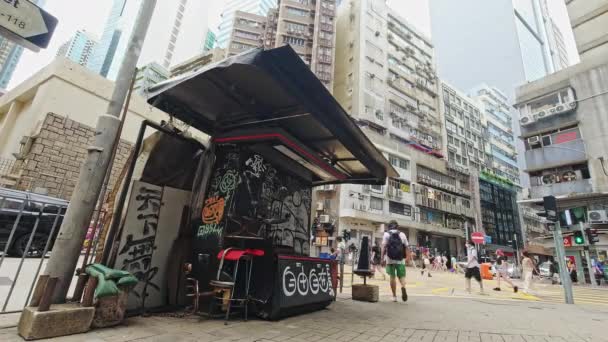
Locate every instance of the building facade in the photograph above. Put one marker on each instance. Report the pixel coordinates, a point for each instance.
(166, 41)
(79, 48)
(498, 122)
(555, 39)
(147, 76)
(210, 40)
(386, 81)
(247, 33)
(197, 62)
(48, 121)
(226, 26)
(310, 28)
(589, 20)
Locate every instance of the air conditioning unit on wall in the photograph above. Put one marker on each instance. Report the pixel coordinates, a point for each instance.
(597, 216)
(324, 218)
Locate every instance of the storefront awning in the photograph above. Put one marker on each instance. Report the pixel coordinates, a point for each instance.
(274, 89)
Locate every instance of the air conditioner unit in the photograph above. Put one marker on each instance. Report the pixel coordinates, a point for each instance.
(572, 105)
(329, 187)
(597, 216)
(571, 176)
(550, 179)
(535, 140)
(323, 218)
(320, 206)
(526, 120)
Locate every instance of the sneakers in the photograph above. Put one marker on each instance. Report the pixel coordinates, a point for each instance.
(395, 299)
(498, 289)
(404, 294)
(515, 289)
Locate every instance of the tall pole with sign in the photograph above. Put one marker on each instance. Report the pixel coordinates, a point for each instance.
(550, 205)
(68, 244)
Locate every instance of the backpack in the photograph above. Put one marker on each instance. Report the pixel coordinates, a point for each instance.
(394, 249)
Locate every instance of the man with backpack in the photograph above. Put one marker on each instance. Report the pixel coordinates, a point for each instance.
(394, 244)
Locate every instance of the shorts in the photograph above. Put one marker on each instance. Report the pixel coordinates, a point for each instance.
(397, 270)
(473, 272)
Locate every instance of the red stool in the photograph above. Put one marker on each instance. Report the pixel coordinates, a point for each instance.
(224, 291)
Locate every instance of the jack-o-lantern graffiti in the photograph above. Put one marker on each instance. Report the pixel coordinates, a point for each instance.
(213, 211)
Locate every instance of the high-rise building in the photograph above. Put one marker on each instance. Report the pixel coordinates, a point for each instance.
(209, 41)
(79, 48)
(563, 126)
(555, 39)
(247, 32)
(386, 81)
(257, 7)
(506, 46)
(309, 27)
(167, 42)
(10, 54)
(589, 20)
(496, 113)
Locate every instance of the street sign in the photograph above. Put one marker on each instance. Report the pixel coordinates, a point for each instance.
(478, 237)
(567, 241)
(26, 24)
(488, 239)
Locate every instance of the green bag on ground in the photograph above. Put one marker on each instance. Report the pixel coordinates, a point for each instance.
(108, 279)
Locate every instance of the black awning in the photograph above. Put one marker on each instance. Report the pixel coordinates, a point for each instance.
(273, 88)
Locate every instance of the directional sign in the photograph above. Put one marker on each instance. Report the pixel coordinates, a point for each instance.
(26, 24)
(478, 237)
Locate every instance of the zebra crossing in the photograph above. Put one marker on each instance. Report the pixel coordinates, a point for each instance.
(582, 295)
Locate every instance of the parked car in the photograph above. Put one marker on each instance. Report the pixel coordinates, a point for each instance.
(34, 206)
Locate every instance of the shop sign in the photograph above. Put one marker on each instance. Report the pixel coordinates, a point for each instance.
(567, 241)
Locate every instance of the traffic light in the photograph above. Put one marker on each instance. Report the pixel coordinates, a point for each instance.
(592, 236)
(550, 206)
(578, 238)
(346, 235)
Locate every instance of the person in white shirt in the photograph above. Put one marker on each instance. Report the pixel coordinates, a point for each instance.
(472, 267)
(394, 244)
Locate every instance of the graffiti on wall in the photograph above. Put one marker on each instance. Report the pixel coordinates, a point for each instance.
(137, 250)
(247, 188)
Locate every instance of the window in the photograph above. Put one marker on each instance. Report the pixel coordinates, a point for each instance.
(294, 41)
(295, 27)
(297, 12)
(246, 35)
(461, 131)
(546, 140)
(399, 162)
(377, 188)
(451, 156)
(375, 203)
(450, 139)
(399, 208)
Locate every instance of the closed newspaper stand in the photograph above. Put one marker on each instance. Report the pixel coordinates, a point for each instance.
(276, 132)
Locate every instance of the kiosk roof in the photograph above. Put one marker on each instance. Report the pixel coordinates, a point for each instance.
(273, 88)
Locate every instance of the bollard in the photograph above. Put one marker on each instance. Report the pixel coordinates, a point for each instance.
(82, 280)
(39, 290)
(47, 295)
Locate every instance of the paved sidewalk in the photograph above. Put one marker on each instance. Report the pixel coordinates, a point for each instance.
(433, 319)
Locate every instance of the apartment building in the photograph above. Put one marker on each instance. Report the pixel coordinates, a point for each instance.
(79, 48)
(231, 7)
(197, 62)
(147, 76)
(498, 122)
(589, 20)
(309, 27)
(387, 82)
(247, 33)
(464, 130)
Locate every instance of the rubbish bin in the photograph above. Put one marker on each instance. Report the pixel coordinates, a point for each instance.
(486, 271)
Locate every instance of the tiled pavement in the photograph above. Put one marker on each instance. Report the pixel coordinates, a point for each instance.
(434, 319)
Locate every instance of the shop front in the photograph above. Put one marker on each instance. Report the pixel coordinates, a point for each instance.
(275, 133)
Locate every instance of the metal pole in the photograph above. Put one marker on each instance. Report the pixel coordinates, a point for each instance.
(588, 255)
(560, 252)
(516, 248)
(86, 193)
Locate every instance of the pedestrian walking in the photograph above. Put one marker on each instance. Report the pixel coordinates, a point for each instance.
(394, 244)
(426, 265)
(472, 270)
(377, 260)
(502, 271)
(444, 263)
(528, 268)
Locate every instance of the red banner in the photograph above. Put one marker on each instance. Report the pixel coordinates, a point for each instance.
(565, 137)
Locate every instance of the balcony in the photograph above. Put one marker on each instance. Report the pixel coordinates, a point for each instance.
(325, 42)
(564, 188)
(571, 152)
(327, 27)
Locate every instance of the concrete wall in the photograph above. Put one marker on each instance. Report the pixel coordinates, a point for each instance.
(589, 19)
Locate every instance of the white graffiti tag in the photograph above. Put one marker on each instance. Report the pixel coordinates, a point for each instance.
(257, 165)
(317, 280)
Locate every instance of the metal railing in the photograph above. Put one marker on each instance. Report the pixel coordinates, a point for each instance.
(28, 226)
